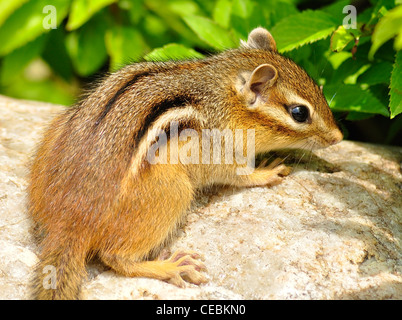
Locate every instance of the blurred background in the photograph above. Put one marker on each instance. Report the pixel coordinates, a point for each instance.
(53, 50)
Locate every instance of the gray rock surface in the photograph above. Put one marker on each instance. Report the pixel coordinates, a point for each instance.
(330, 230)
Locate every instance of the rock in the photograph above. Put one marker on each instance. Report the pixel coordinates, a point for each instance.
(330, 230)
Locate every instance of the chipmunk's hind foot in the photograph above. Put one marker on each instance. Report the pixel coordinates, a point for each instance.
(180, 268)
(185, 266)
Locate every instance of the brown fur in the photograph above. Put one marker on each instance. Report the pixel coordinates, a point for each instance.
(86, 196)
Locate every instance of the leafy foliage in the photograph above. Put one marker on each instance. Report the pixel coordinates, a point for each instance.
(302, 28)
(359, 68)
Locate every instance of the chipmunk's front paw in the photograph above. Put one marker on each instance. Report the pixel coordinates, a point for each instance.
(277, 168)
(183, 266)
(269, 175)
(282, 170)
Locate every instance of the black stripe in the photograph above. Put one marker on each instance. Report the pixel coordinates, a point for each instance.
(187, 124)
(74, 112)
(182, 125)
(158, 110)
(123, 89)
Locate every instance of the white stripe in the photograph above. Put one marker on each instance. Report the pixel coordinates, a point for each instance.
(178, 114)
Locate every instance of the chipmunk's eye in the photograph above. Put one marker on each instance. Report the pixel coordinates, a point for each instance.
(299, 113)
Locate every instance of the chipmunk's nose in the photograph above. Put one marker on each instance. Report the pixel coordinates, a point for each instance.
(336, 136)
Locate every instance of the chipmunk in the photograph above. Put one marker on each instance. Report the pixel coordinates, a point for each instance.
(94, 191)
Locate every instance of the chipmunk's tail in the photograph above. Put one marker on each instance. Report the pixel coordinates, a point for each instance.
(60, 272)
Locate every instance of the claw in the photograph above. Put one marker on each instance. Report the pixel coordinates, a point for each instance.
(275, 163)
(184, 267)
(179, 254)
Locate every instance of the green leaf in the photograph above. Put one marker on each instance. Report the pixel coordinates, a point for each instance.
(381, 92)
(136, 9)
(15, 62)
(47, 90)
(243, 8)
(172, 23)
(302, 28)
(86, 46)
(278, 10)
(336, 59)
(183, 7)
(172, 51)
(335, 9)
(246, 16)
(358, 116)
(56, 56)
(124, 44)
(348, 68)
(27, 23)
(7, 7)
(389, 26)
(395, 104)
(83, 10)
(345, 97)
(342, 37)
(376, 73)
(210, 32)
(222, 12)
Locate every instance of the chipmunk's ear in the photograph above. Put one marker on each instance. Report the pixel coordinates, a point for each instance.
(263, 77)
(260, 38)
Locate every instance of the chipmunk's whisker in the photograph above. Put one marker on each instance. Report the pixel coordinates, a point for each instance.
(330, 101)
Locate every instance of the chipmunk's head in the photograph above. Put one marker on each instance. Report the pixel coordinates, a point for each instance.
(289, 107)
